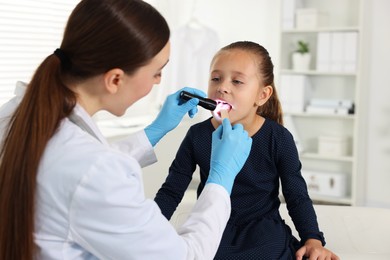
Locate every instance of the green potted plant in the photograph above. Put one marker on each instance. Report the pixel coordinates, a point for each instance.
(301, 56)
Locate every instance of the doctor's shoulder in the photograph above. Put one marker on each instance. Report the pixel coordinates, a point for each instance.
(73, 146)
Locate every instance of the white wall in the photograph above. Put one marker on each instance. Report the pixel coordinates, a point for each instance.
(255, 20)
(378, 85)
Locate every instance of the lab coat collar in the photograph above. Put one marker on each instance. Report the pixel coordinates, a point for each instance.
(20, 89)
(82, 119)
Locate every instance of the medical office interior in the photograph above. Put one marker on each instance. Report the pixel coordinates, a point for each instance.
(336, 106)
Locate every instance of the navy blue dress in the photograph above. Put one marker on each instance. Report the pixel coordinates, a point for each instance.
(255, 229)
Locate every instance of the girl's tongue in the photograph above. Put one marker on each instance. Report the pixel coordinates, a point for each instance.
(221, 105)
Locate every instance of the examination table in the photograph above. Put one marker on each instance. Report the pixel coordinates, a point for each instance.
(353, 233)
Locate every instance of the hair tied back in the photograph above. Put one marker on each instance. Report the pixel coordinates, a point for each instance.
(64, 59)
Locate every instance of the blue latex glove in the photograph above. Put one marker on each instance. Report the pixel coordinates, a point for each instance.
(172, 113)
(230, 149)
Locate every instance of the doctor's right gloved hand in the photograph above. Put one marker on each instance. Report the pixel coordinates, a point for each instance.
(230, 149)
(172, 113)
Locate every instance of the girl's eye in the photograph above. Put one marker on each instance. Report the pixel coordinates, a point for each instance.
(158, 75)
(215, 79)
(237, 82)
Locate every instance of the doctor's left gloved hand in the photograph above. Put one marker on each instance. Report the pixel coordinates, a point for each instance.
(172, 113)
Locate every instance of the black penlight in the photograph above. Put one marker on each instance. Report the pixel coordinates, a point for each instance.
(206, 103)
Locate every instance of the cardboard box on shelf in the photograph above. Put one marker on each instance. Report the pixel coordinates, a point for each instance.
(333, 145)
(326, 183)
(310, 18)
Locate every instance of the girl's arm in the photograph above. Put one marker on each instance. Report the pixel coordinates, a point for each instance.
(299, 204)
(180, 175)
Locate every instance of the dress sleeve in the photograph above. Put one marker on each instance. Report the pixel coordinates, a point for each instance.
(180, 174)
(110, 217)
(299, 204)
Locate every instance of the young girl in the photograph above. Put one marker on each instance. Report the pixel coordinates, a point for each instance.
(241, 78)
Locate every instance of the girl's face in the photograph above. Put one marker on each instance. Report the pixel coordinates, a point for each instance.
(235, 79)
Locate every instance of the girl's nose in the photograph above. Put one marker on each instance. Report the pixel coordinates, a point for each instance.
(223, 89)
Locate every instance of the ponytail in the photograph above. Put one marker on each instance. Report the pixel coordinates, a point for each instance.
(272, 109)
(46, 102)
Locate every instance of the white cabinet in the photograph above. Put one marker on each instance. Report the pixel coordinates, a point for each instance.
(322, 103)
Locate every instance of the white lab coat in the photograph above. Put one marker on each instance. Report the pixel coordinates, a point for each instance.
(90, 201)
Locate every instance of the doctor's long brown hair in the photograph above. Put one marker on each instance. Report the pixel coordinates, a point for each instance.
(100, 35)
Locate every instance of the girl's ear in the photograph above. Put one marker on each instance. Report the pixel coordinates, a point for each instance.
(113, 80)
(264, 94)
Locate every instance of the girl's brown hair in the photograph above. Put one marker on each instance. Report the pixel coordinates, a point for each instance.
(272, 109)
(100, 35)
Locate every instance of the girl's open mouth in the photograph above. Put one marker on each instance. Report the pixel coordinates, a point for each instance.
(221, 105)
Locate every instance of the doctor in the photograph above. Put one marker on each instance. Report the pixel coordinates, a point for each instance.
(65, 193)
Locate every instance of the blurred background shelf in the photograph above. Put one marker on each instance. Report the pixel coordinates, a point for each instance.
(327, 136)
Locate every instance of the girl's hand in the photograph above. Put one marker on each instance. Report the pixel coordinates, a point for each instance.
(314, 250)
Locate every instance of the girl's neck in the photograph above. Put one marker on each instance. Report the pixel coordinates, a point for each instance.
(252, 126)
